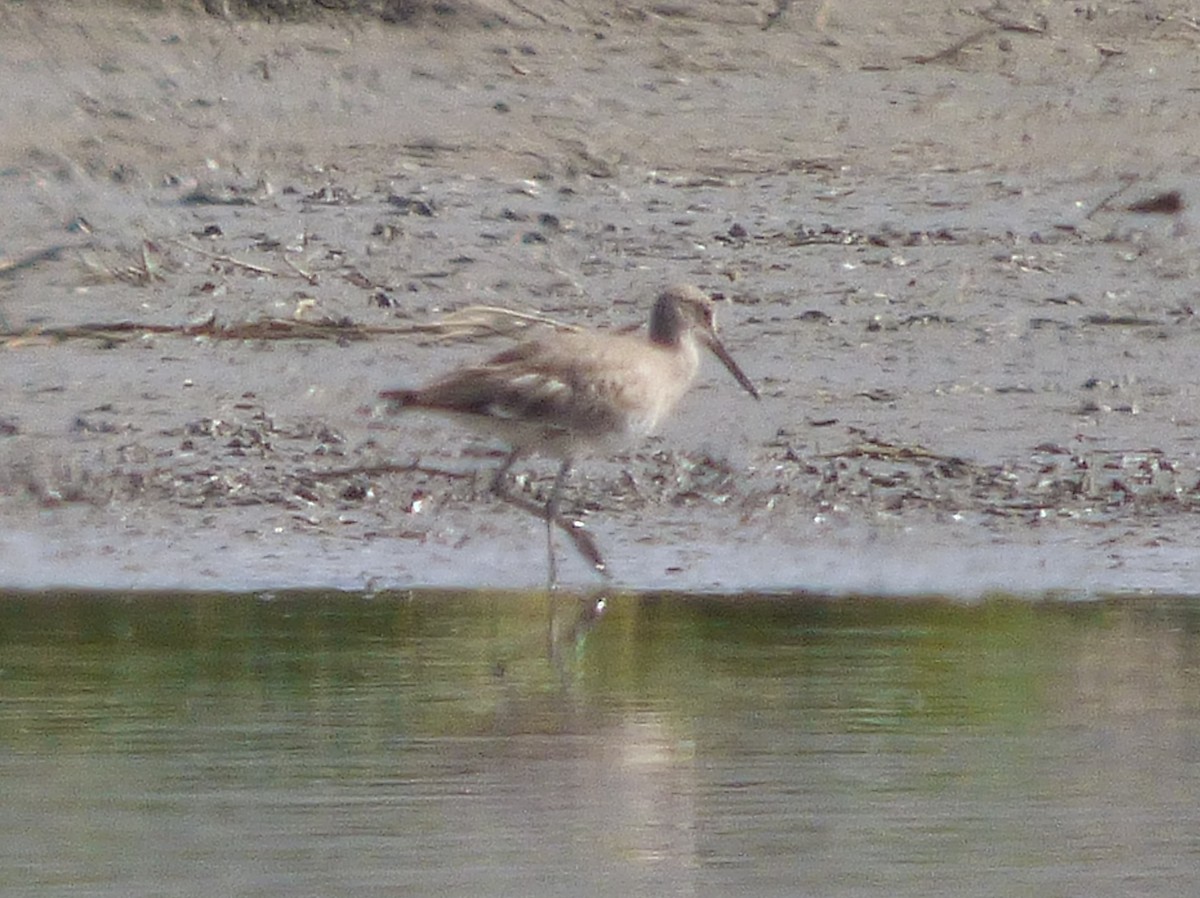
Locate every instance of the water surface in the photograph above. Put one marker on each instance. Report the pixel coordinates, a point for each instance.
(328, 744)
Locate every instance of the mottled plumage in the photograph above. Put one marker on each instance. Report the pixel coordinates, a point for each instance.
(578, 391)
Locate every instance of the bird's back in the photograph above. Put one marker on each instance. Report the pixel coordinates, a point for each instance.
(590, 385)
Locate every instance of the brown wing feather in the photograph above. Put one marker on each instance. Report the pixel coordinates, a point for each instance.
(554, 384)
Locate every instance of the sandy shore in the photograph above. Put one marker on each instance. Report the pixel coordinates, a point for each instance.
(958, 249)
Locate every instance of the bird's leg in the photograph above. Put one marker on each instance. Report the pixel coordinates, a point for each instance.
(584, 544)
(499, 487)
(552, 519)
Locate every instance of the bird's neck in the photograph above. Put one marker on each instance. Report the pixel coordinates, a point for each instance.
(666, 324)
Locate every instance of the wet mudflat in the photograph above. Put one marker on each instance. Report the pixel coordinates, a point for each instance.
(958, 249)
(459, 744)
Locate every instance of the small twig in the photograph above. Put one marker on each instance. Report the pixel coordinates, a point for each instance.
(1006, 24)
(998, 22)
(494, 320)
(1127, 181)
(379, 471)
(229, 260)
(529, 12)
(954, 49)
(307, 275)
(264, 329)
(469, 322)
(50, 253)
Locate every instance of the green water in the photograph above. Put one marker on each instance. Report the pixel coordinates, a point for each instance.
(330, 744)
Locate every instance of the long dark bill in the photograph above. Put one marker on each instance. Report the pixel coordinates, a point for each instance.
(719, 350)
